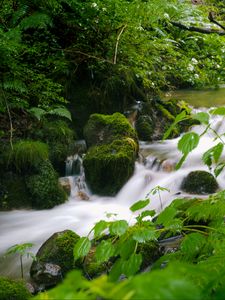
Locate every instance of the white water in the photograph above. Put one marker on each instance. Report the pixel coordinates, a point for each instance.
(22, 226)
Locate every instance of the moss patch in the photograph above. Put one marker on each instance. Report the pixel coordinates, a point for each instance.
(199, 182)
(102, 129)
(108, 167)
(145, 128)
(13, 290)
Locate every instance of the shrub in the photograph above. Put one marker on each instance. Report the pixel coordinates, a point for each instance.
(44, 187)
(13, 290)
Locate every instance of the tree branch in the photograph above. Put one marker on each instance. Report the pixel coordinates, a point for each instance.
(117, 43)
(211, 19)
(197, 29)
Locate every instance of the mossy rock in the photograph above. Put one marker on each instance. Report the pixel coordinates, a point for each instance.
(145, 127)
(91, 267)
(58, 250)
(13, 192)
(13, 290)
(44, 187)
(108, 167)
(150, 253)
(199, 182)
(103, 129)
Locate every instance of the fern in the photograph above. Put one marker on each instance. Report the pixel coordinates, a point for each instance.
(37, 20)
(61, 112)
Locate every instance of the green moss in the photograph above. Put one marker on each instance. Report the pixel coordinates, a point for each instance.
(102, 129)
(199, 182)
(58, 249)
(26, 155)
(13, 192)
(145, 128)
(91, 267)
(108, 167)
(44, 187)
(150, 253)
(13, 290)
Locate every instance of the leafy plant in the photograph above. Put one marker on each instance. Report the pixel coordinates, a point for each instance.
(21, 249)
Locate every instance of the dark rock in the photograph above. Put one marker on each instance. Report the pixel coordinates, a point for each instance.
(199, 182)
(46, 274)
(65, 184)
(57, 250)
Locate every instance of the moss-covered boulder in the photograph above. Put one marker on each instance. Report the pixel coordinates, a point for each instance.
(57, 250)
(13, 290)
(145, 127)
(103, 129)
(44, 188)
(108, 167)
(91, 267)
(199, 182)
(150, 252)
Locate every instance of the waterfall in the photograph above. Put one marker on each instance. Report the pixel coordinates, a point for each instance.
(83, 209)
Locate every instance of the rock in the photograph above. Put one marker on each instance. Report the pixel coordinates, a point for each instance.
(145, 127)
(199, 182)
(104, 129)
(46, 274)
(13, 290)
(108, 167)
(65, 184)
(57, 250)
(82, 195)
(168, 166)
(150, 253)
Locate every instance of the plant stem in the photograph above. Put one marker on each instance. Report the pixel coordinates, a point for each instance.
(160, 200)
(117, 43)
(10, 121)
(21, 265)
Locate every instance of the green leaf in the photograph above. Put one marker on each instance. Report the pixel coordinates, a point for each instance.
(180, 117)
(192, 245)
(100, 227)
(202, 117)
(19, 248)
(146, 213)
(213, 153)
(37, 112)
(125, 248)
(61, 112)
(219, 168)
(118, 227)
(81, 248)
(139, 205)
(132, 265)
(142, 235)
(166, 216)
(180, 162)
(218, 111)
(117, 269)
(188, 142)
(104, 251)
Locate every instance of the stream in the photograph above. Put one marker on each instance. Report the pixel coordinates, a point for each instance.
(155, 169)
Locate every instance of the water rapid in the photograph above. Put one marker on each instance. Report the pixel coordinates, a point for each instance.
(83, 209)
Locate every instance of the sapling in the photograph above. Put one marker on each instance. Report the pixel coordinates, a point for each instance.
(21, 249)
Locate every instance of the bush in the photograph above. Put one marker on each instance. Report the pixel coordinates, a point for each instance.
(27, 154)
(108, 167)
(44, 187)
(13, 290)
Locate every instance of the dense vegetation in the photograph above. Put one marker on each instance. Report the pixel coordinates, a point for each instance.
(67, 63)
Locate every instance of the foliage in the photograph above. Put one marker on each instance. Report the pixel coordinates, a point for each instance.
(27, 155)
(44, 187)
(13, 290)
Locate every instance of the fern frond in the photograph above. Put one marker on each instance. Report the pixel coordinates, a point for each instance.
(16, 85)
(37, 112)
(61, 112)
(37, 20)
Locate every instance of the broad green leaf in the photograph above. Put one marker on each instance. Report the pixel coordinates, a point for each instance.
(180, 162)
(139, 205)
(118, 227)
(142, 235)
(202, 117)
(180, 117)
(104, 251)
(117, 270)
(175, 225)
(100, 227)
(81, 248)
(219, 168)
(166, 216)
(132, 265)
(188, 142)
(218, 111)
(146, 213)
(213, 153)
(125, 248)
(192, 245)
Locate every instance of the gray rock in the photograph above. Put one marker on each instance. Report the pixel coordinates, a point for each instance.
(46, 274)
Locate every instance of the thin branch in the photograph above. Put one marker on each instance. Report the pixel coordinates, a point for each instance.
(86, 54)
(10, 121)
(211, 19)
(117, 43)
(197, 29)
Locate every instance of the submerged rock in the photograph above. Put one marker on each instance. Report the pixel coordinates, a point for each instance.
(57, 250)
(199, 182)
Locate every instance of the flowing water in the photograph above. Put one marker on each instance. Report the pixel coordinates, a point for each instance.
(156, 169)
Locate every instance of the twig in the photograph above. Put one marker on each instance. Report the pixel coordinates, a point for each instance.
(211, 19)
(117, 43)
(10, 121)
(197, 29)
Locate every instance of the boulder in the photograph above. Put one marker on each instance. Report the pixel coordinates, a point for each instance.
(46, 275)
(65, 184)
(199, 182)
(57, 250)
(108, 167)
(13, 290)
(104, 129)
(145, 127)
